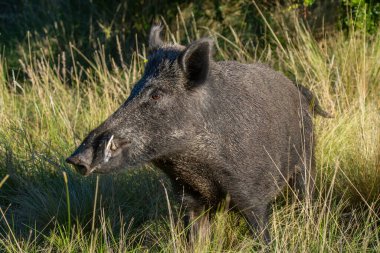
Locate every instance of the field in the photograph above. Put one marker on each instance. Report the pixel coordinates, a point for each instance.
(50, 99)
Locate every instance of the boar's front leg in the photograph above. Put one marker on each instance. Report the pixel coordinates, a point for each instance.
(195, 219)
(258, 218)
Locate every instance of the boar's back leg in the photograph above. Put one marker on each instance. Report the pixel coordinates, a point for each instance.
(303, 181)
(303, 185)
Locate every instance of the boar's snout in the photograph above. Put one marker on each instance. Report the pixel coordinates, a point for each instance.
(81, 161)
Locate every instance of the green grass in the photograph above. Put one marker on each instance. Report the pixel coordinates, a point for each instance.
(47, 108)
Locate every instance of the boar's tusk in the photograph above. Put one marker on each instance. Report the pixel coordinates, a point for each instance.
(107, 153)
(109, 143)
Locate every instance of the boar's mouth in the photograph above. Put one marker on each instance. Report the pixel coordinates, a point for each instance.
(83, 170)
(90, 160)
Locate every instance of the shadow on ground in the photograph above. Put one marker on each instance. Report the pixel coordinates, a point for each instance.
(34, 196)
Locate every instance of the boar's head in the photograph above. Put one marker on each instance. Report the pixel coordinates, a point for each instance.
(160, 117)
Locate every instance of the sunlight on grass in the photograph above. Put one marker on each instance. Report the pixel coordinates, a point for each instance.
(47, 107)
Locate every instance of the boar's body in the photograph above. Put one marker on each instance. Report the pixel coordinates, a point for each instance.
(215, 128)
(254, 134)
(254, 130)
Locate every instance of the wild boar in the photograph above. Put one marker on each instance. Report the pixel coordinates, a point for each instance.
(216, 128)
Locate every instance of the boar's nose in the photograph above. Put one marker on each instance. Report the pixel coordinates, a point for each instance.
(80, 162)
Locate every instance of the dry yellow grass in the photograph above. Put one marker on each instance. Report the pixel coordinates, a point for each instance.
(43, 116)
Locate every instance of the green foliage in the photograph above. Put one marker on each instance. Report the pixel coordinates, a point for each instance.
(361, 14)
(308, 2)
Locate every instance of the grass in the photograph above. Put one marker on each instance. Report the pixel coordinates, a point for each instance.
(47, 107)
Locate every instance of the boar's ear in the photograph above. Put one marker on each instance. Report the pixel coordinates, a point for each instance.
(155, 38)
(195, 61)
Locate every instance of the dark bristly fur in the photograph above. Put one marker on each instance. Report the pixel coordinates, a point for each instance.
(215, 128)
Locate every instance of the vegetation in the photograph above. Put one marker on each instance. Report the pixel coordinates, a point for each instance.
(56, 84)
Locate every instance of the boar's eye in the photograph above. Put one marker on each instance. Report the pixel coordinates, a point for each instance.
(155, 96)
